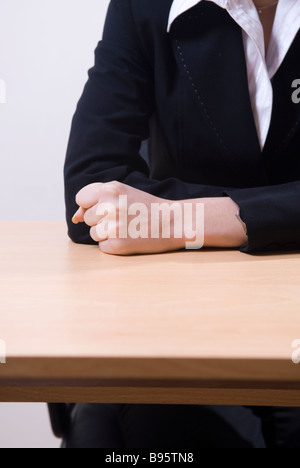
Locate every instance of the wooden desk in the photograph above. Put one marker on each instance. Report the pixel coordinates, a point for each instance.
(209, 327)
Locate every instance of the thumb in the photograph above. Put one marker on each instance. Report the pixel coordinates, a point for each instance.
(78, 216)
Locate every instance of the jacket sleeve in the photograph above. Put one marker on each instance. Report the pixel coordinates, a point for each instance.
(272, 216)
(112, 120)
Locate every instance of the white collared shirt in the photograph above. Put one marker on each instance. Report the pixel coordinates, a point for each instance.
(261, 68)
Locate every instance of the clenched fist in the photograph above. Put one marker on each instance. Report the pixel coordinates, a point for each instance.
(127, 221)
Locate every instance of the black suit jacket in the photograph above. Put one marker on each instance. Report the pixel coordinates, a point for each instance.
(186, 92)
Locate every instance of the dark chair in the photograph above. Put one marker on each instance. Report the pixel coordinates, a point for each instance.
(60, 418)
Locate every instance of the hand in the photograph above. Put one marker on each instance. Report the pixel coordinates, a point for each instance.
(128, 221)
(127, 225)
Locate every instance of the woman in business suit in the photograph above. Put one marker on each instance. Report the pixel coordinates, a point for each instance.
(213, 86)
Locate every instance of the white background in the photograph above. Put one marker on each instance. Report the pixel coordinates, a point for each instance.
(46, 48)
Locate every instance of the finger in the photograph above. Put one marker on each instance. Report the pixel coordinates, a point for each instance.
(115, 247)
(94, 233)
(105, 247)
(89, 195)
(91, 218)
(78, 216)
(94, 215)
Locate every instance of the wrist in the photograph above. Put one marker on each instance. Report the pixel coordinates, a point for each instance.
(223, 228)
(187, 224)
(208, 222)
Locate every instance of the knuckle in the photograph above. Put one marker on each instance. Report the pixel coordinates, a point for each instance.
(112, 187)
(115, 183)
(95, 187)
(78, 197)
(87, 193)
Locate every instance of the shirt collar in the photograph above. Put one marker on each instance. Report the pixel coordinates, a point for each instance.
(181, 6)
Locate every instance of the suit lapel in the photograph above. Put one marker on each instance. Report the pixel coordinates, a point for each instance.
(209, 51)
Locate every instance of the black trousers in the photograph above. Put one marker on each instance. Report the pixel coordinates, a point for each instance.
(182, 427)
